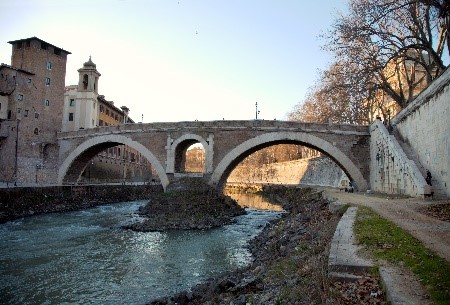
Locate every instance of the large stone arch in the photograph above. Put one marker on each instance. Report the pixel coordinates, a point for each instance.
(112, 139)
(173, 145)
(228, 162)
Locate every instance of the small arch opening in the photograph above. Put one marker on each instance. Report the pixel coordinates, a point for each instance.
(190, 157)
(85, 81)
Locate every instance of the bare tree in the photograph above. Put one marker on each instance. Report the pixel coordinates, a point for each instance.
(397, 44)
(384, 51)
(335, 99)
(443, 10)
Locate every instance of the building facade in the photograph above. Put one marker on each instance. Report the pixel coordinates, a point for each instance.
(85, 108)
(35, 105)
(31, 109)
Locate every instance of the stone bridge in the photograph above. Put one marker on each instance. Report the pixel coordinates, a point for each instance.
(226, 143)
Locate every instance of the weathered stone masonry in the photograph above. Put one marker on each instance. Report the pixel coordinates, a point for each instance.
(226, 143)
(425, 126)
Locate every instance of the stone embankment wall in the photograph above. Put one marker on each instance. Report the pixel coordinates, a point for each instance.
(21, 202)
(425, 126)
(317, 171)
(391, 171)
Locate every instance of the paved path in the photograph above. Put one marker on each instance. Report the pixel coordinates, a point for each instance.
(401, 286)
(433, 233)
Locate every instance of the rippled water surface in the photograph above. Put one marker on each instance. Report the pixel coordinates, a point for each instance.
(85, 258)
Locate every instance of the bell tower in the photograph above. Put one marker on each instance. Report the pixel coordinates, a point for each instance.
(84, 112)
(88, 77)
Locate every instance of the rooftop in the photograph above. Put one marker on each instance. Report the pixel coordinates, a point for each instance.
(38, 39)
(16, 69)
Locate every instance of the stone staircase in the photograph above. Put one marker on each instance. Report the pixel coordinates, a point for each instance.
(412, 155)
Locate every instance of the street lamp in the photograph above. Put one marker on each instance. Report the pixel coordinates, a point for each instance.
(257, 111)
(38, 167)
(90, 165)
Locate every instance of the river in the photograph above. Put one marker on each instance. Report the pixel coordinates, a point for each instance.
(84, 257)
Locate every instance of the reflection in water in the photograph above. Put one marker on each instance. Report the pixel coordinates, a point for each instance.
(253, 201)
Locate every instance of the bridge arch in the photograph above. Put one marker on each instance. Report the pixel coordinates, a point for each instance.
(111, 139)
(178, 147)
(227, 164)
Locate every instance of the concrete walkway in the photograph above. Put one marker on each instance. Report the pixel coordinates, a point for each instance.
(401, 286)
(404, 212)
(344, 263)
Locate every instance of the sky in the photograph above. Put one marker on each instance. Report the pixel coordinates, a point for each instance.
(185, 60)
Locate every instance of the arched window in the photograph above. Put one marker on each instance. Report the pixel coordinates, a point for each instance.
(85, 81)
(36, 131)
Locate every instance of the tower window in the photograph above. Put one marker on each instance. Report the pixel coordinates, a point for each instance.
(72, 102)
(47, 81)
(36, 131)
(46, 103)
(19, 110)
(26, 113)
(29, 80)
(49, 65)
(71, 116)
(36, 115)
(20, 97)
(85, 81)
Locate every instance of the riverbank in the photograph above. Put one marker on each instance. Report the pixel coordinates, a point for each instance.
(290, 262)
(18, 202)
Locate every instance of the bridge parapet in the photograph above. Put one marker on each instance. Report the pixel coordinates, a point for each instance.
(262, 125)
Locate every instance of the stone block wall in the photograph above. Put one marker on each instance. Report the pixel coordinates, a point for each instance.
(320, 171)
(425, 126)
(391, 171)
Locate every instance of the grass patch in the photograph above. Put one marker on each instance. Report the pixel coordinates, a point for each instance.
(386, 241)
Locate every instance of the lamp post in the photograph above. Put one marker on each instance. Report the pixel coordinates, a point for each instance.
(257, 111)
(38, 167)
(90, 165)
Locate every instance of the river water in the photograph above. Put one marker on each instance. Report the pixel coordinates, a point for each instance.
(84, 257)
